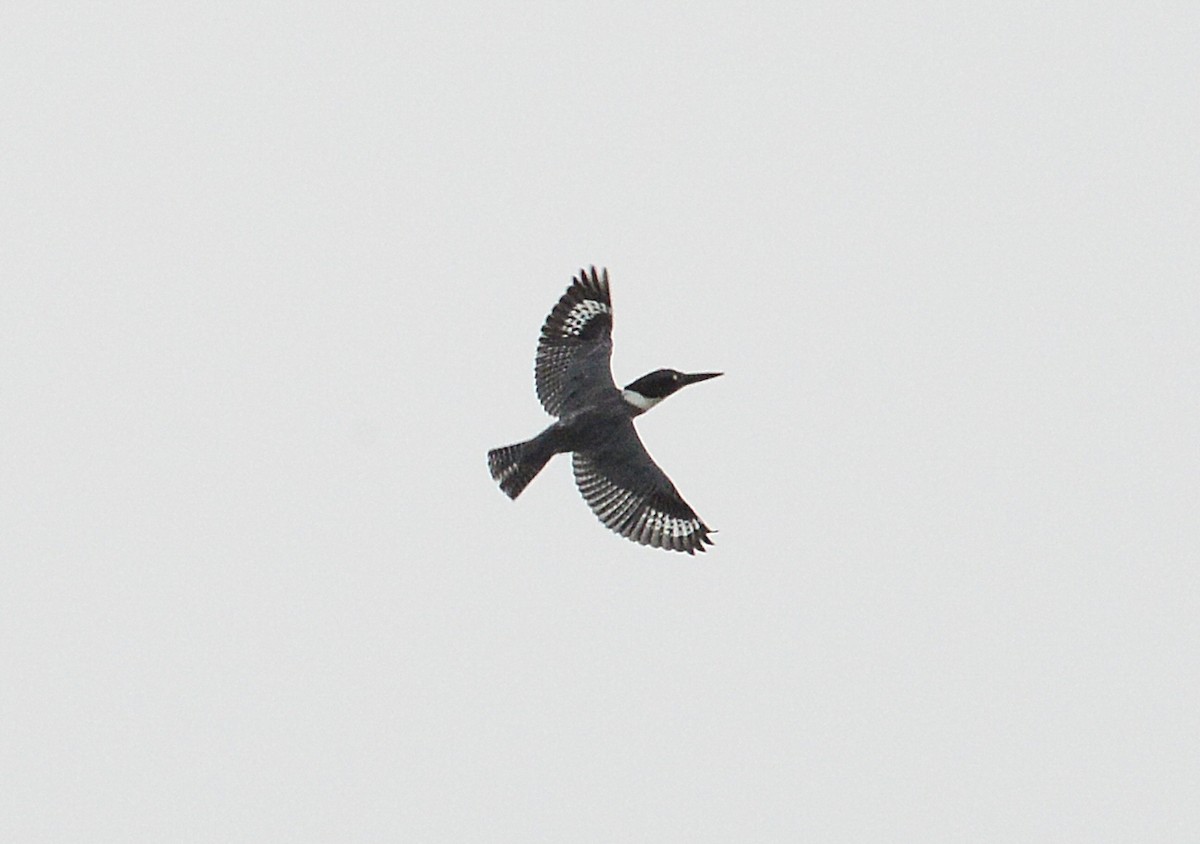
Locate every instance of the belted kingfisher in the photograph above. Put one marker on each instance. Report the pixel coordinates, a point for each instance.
(617, 477)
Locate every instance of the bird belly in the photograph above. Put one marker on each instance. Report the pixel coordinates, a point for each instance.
(592, 429)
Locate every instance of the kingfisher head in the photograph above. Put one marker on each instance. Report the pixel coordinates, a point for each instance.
(650, 389)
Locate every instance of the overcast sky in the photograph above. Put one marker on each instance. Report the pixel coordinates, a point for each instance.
(272, 282)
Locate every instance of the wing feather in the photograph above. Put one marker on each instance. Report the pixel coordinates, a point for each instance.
(572, 366)
(632, 496)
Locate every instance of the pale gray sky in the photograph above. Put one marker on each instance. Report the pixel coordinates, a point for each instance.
(273, 279)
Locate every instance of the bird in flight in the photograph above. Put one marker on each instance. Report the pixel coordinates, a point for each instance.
(618, 479)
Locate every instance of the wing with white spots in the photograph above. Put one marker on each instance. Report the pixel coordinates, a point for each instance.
(572, 365)
(631, 495)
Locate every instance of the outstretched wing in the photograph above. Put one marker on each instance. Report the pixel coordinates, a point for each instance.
(632, 496)
(572, 365)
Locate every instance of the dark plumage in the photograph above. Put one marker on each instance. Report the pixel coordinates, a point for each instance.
(622, 484)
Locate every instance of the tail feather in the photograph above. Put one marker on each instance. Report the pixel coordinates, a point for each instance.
(514, 466)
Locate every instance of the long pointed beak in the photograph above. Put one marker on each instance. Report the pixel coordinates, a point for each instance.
(697, 377)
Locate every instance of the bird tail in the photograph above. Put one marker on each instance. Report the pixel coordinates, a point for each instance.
(514, 466)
